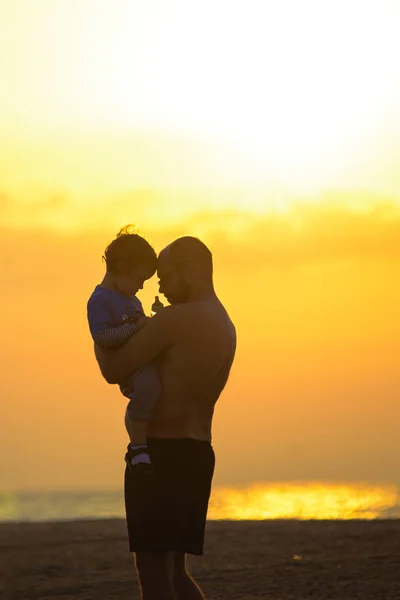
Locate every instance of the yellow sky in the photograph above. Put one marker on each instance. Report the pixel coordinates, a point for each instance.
(272, 130)
(291, 97)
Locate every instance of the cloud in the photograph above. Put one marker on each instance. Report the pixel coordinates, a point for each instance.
(306, 234)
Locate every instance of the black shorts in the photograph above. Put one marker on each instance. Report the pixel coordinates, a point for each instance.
(174, 519)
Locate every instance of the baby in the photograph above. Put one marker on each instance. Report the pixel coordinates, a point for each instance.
(113, 312)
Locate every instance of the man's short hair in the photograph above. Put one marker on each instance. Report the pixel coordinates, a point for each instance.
(131, 249)
(191, 249)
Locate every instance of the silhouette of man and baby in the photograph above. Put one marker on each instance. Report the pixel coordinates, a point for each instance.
(172, 368)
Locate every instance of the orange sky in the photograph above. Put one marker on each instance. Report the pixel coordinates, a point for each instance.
(281, 152)
(313, 394)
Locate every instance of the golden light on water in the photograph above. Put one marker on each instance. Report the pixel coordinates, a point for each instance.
(302, 501)
(260, 501)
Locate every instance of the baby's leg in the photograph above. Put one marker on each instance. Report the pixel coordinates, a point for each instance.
(137, 431)
(146, 394)
(140, 410)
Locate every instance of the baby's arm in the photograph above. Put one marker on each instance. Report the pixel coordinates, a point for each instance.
(114, 336)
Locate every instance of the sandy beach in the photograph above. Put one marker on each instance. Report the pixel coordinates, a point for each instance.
(248, 560)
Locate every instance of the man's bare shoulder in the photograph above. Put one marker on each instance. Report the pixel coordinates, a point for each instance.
(205, 314)
(168, 315)
(169, 320)
(181, 316)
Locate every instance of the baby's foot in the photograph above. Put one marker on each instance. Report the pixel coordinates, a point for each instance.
(137, 455)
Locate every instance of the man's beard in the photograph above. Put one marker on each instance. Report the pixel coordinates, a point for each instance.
(182, 294)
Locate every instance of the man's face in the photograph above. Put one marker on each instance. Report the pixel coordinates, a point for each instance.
(131, 281)
(172, 282)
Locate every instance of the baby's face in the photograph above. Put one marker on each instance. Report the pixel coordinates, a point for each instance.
(130, 282)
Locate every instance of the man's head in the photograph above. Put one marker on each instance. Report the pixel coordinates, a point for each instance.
(184, 267)
(130, 259)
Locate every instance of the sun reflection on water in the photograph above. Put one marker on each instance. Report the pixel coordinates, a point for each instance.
(302, 501)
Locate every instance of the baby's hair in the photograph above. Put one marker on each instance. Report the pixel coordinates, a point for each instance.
(131, 250)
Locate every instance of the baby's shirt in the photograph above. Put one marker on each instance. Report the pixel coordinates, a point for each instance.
(112, 317)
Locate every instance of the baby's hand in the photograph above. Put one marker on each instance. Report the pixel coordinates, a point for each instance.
(141, 322)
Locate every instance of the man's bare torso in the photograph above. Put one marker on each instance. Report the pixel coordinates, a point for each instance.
(194, 371)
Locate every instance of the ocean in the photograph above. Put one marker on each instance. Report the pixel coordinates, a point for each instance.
(61, 506)
(258, 501)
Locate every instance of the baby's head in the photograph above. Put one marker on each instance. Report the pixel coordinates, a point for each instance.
(130, 260)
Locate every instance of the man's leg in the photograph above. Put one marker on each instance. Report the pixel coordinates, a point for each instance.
(156, 575)
(185, 586)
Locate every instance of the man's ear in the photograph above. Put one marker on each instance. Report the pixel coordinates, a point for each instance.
(121, 267)
(190, 270)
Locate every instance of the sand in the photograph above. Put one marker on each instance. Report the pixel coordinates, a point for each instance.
(277, 560)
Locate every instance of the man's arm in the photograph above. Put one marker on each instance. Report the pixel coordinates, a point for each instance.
(158, 335)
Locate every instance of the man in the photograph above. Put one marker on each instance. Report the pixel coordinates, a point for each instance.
(194, 342)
